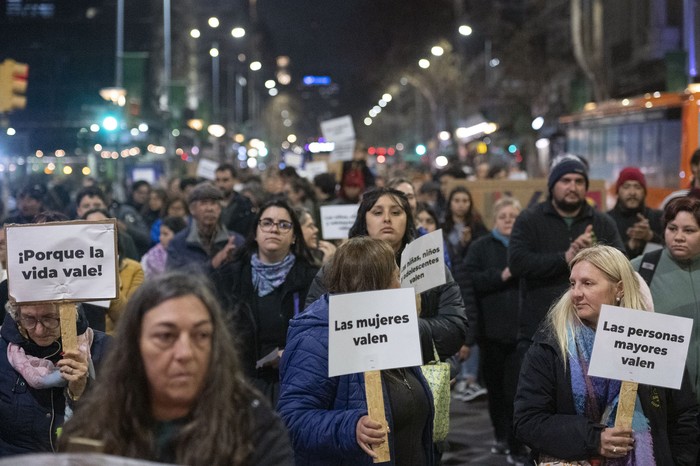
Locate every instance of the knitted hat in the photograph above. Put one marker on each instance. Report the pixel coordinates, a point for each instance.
(630, 174)
(568, 164)
(205, 192)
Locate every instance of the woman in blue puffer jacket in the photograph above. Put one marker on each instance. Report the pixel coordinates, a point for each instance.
(327, 416)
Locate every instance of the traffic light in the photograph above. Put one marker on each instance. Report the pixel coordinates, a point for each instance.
(13, 85)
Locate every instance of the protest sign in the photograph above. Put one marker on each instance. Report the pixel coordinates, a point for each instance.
(206, 168)
(423, 263)
(341, 132)
(293, 160)
(343, 150)
(62, 261)
(338, 129)
(316, 168)
(336, 220)
(373, 330)
(639, 346)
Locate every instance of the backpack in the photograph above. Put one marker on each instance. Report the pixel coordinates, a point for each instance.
(647, 266)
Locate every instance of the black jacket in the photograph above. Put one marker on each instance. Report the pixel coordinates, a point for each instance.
(495, 300)
(442, 319)
(238, 215)
(625, 218)
(234, 285)
(538, 243)
(545, 416)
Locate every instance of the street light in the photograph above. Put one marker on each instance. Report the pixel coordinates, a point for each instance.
(424, 63)
(465, 30)
(213, 22)
(238, 32)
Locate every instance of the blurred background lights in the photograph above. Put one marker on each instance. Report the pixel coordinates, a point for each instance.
(441, 161)
(110, 123)
(424, 63)
(465, 30)
(537, 123)
(420, 149)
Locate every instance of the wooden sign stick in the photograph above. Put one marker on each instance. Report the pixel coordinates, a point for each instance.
(375, 407)
(625, 404)
(69, 316)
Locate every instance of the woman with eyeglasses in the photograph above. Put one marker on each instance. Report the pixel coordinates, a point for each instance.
(263, 288)
(40, 382)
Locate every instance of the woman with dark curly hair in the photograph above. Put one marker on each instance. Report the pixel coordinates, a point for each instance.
(172, 388)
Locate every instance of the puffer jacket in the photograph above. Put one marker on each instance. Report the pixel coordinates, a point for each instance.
(442, 318)
(29, 417)
(321, 413)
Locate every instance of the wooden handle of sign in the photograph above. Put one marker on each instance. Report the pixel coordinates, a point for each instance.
(69, 316)
(418, 304)
(625, 405)
(375, 407)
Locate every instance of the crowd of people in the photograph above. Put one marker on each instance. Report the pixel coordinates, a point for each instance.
(216, 348)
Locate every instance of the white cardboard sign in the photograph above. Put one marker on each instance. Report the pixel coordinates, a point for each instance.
(206, 168)
(338, 129)
(423, 263)
(293, 160)
(336, 220)
(62, 261)
(639, 346)
(344, 150)
(373, 330)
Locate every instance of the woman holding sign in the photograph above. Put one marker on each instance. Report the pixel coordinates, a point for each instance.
(40, 383)
(327, 416)
(385, 214)
(562, 413)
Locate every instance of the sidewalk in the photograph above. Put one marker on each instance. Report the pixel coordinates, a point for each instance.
(471, 435)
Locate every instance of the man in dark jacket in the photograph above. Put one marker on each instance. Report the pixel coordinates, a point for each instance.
(237, 214)
(547, 236)
(636, 223)
(205, 244)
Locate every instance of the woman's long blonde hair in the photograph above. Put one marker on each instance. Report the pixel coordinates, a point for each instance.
(562, 319)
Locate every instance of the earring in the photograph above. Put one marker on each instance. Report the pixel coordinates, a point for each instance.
(618, 299)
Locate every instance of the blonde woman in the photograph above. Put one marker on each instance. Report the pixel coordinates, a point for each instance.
(564, 414)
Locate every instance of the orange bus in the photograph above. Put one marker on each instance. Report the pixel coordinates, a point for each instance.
(657, 132)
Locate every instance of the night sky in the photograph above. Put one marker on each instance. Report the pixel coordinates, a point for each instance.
(359, 43)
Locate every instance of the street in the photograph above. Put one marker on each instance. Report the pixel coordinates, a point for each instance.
(471, 435)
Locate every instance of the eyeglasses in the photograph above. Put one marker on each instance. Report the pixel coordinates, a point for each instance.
(30, 322)
(267, 224)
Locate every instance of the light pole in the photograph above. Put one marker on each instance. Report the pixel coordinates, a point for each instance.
(215, 82)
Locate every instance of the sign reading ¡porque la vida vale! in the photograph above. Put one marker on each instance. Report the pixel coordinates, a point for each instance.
(62, 261)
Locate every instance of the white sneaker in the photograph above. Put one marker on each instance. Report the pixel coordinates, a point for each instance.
(473, 391)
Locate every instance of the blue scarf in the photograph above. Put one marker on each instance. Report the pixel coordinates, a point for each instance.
(597, 398)
(501, 237)
(267, 277)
